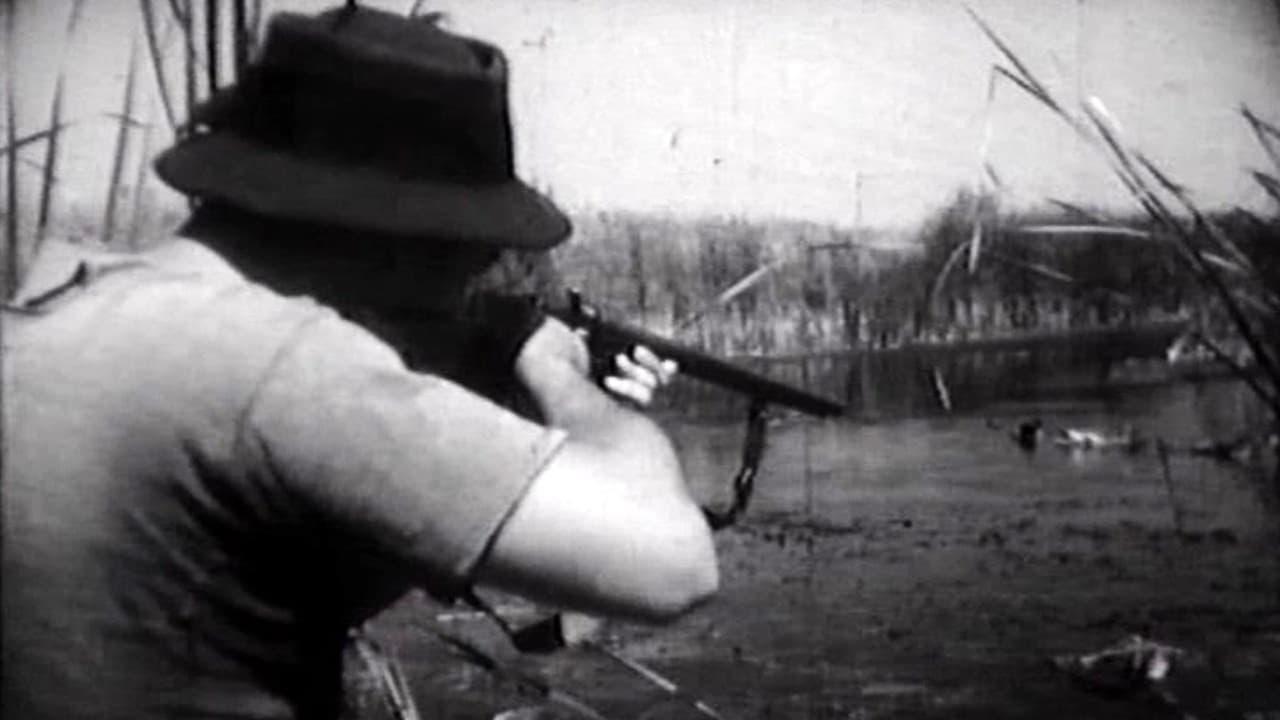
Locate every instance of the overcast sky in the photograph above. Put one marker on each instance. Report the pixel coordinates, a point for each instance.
(775, 108)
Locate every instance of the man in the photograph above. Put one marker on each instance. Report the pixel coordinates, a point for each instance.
(206, 482)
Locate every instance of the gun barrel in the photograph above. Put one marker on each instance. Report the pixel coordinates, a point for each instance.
(703, 366)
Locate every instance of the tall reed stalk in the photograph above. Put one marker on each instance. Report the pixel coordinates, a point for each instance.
(1212, 256)
(143, 171)
(240, 38)
(49, 170)
(49, 177)
(184, 11)
(150, 26)
(212, 43)
(121, 146)
(12, 242)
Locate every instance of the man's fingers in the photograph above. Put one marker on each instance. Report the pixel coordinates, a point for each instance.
(664, 370)
(670, 368)
(637, 392)
(632, 370)
(638, 375)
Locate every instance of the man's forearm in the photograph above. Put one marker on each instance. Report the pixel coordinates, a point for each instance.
(592, 418)
(553, 365)
(608, 526)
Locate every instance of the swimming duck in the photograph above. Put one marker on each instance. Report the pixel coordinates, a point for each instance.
(1028, 433)
(1087, 439)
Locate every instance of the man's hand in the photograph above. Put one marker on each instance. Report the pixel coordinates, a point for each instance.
(640, 375)
(551, 351)
(555, 350)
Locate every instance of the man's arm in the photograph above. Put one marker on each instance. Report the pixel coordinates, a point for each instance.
(608, 526)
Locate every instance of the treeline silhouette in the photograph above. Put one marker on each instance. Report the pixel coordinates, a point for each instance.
(828, 288)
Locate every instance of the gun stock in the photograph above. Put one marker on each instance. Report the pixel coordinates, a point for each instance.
(607, 337)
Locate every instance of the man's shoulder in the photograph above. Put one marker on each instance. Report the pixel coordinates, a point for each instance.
(214, 304)
(179, 305)
(177, 270)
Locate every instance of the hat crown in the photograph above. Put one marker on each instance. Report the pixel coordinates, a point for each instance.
(367, 119)
(380, 48)
(365, 88)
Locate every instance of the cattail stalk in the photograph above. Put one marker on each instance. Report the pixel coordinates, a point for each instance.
(211, 39)
(48, 178)
(255, 24)
(239, 35)
(189, 60)
(157, 62)
(11, 226)
(122, 146)
(140, 181)
(49, 171)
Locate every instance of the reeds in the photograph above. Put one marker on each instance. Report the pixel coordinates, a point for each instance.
(1214, 258)
(212, 43)
(49, 176)
(141, 174)
(233, 21)
(204, 28)
(185, 14)
(155, 51)
(121, 150)
(243, 27)
(16, 236)
(12, 144)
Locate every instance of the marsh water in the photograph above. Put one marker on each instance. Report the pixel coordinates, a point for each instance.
(913, 562)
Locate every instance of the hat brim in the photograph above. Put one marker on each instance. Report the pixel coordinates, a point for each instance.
(247, 174)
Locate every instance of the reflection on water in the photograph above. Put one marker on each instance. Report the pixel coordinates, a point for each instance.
(930, 380)
(898, 441)
(832, 470)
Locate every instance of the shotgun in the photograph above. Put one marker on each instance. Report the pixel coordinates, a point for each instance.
(606, 338)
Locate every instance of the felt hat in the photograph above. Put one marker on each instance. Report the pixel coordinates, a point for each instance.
(365, 119)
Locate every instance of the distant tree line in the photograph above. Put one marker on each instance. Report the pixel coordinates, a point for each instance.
(830, 288)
